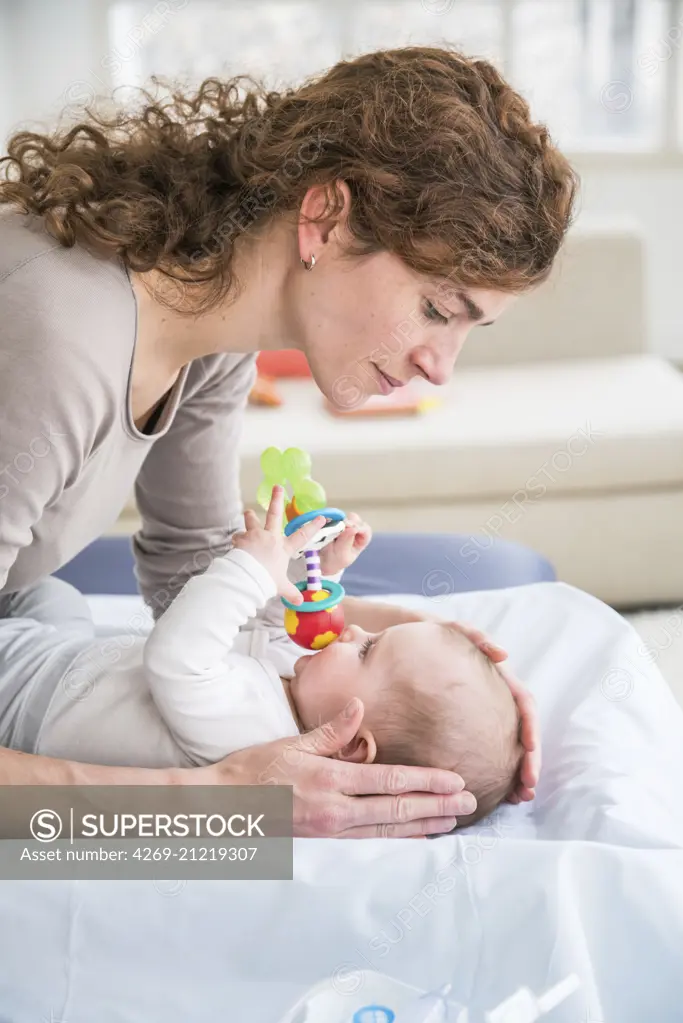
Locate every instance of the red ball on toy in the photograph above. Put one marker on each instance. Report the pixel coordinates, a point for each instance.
(314, 630)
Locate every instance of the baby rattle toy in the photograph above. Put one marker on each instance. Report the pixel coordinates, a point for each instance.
(317, 622)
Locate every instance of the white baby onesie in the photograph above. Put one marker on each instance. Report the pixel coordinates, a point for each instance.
(204, 683)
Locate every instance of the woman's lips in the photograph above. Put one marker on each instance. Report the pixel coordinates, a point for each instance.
(387, 383)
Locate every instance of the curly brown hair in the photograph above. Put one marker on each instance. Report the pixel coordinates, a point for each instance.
(444, 165)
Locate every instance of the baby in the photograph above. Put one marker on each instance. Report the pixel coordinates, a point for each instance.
(218, 672)
(431, 699)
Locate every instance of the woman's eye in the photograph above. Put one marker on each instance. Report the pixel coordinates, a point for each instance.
(364, 649)
(432, 313)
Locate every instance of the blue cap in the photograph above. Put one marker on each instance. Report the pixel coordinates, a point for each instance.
(374, 1014)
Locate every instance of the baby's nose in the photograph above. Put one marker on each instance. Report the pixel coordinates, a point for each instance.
(353, 633)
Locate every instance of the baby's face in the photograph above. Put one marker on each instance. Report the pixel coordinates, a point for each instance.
(362, 664)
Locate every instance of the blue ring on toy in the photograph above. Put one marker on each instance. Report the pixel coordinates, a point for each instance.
(333, 514)
(337, 594)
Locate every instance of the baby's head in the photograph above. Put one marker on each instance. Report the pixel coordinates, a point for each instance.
(431, 698)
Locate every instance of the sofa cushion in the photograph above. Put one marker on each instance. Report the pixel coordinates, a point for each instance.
(600, 425)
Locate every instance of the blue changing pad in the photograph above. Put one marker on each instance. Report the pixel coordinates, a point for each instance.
(432, 564)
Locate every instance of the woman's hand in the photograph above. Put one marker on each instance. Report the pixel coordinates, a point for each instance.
(338, 799)
(345, 548)
(529, 736)
(494, 652)
(529, 733)
(271, 547)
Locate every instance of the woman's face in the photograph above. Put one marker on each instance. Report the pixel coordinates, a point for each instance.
(369, 324)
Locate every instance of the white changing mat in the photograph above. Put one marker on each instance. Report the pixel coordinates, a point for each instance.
(612, 730)
(588, 879)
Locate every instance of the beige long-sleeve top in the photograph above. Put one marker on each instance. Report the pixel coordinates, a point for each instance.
(70, 454)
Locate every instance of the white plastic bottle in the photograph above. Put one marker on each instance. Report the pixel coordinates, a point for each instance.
(387, 1000)
(429, 1008)
(525, 1007)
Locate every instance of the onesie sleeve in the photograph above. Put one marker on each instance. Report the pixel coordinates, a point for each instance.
(214, 699)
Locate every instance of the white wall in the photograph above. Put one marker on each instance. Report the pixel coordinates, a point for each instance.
(6, 91)
(652, 195)
(52, 58)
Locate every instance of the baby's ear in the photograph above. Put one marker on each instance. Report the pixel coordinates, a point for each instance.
(361, 750)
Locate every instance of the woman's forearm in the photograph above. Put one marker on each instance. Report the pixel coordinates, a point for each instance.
(27, 769)
(374, 617)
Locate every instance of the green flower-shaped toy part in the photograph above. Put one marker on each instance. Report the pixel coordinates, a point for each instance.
(292, 467)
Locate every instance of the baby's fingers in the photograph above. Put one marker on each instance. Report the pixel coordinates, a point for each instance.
(292, 593)
(251, 520)
(362, 536)
(345, 540)
(276, 510)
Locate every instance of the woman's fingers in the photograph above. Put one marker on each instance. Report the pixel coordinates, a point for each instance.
(515, 686)
(409, 813)
(529, 737)
(481, 640)
(388, 781)
(530, 734)
(331, 737)
(411, 829)
(531, 769)
(333, 798)
(401, 782)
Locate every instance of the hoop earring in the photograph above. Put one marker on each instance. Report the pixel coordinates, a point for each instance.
(309, 266)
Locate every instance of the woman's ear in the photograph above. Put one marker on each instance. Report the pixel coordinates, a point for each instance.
(361, 750)
(314, 234)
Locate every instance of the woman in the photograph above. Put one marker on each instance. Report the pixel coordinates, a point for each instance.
(146, 258)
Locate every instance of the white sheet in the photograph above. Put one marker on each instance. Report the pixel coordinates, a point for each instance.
(612, 730)
(588, 880)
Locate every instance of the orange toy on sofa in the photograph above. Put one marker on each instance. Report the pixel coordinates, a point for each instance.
(287, 363)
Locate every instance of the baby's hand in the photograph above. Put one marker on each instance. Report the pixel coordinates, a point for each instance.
(344, 550)
(271, 547)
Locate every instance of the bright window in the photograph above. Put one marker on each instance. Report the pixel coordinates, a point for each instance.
(605, 75)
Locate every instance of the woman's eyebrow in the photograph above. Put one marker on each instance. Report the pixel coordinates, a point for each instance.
(474, 313)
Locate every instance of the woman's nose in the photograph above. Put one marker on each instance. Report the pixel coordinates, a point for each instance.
(436, 363)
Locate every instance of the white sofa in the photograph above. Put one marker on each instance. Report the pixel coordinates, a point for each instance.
(559, 430)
